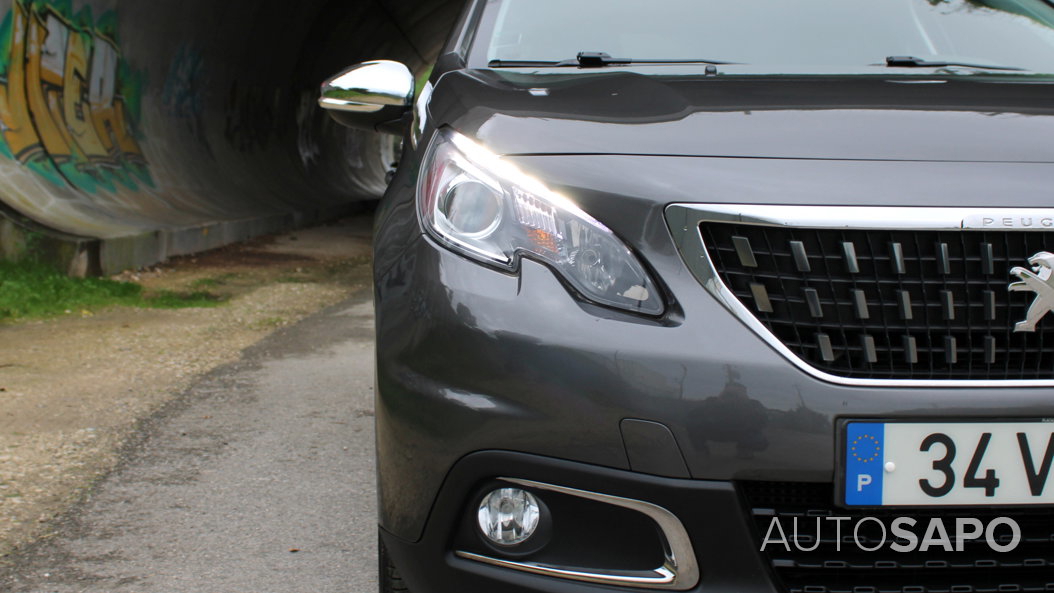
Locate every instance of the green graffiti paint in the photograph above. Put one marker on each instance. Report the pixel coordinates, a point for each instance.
(69, 102)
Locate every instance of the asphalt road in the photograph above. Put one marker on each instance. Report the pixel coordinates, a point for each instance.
(258, 479)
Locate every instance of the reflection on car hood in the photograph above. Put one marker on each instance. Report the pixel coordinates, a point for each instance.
(616, 111)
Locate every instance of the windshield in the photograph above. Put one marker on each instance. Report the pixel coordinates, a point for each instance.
(784, 35)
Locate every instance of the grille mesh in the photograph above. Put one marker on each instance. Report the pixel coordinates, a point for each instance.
(890, 304)
(977, 569)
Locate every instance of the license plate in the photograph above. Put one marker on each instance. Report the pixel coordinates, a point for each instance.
(948, 463)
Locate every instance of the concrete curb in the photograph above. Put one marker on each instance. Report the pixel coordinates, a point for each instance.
(85, 256)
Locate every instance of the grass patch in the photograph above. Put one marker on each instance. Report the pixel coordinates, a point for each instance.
(169, 299)
(213, 282)
(34, 290)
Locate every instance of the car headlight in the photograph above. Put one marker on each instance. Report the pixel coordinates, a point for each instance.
(481, 206)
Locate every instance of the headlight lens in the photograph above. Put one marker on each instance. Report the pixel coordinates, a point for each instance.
(484, 207)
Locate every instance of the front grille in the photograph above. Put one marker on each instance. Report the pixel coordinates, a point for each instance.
(977, 569)
(879, 304)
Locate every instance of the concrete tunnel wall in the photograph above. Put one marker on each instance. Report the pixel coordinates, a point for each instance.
(135, 130)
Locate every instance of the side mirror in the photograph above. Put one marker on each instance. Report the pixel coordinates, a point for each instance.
(370, 95)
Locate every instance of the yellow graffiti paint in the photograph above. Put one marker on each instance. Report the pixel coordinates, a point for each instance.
(44, 86)
(108, 110)
(76, 101)
(60, 107)
(18, 129)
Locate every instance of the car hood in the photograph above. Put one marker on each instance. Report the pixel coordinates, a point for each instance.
(662, 111)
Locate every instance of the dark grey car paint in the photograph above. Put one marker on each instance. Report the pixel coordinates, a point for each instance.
(471, 359)
(674, 110)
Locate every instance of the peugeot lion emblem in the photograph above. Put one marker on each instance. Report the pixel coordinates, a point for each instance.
(1040, 282)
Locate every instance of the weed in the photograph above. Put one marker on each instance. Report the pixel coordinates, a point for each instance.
(168, 299)
(214, 281)
(30, 289)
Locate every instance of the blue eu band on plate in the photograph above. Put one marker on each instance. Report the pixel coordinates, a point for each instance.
(948, 463)
(863, 476)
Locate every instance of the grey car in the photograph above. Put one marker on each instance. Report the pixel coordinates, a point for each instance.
(718, 296)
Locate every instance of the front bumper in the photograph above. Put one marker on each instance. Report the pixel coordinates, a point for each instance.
(471, 359)
(728, 528)
(710, 511)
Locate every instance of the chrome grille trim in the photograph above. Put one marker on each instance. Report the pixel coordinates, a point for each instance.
(684, 222)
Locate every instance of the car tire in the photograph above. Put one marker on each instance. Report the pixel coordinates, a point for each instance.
(390, 581)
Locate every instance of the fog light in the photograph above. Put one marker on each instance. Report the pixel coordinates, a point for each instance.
(508, 516)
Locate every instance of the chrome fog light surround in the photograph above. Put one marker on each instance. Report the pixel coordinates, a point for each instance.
(679, 571)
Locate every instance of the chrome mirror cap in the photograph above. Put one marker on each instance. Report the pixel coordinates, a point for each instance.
(369, 87)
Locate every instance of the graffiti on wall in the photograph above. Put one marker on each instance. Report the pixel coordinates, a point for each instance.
(68, 99)
(182, 96)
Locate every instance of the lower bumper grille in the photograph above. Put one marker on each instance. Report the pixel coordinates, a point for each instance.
(977, 569)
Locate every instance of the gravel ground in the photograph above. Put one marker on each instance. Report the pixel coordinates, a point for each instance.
(74, 390)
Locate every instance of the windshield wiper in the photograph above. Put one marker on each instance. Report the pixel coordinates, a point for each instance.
(587, 59)
(530, 63)
(914, 62)
(596, 59)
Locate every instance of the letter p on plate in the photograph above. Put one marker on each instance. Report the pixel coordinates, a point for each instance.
(861, 481)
